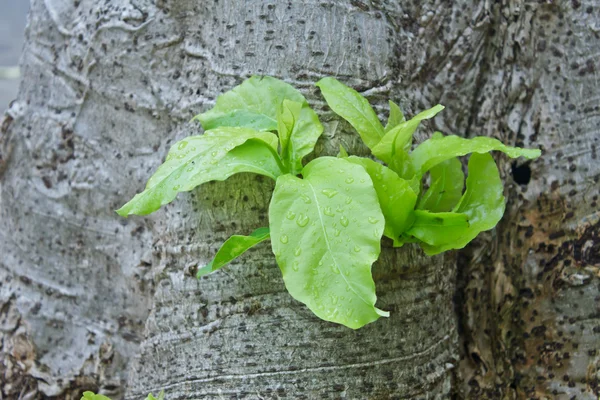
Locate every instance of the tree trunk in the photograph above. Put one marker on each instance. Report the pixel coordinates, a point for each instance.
(89, 300)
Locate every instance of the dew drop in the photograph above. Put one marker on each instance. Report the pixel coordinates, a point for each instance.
(302, 220)
(327, 211)
(214, 154)
(305, 199)
(336, 232)
(290, 215)
(297, 252)
(373, 220)
(329, 192)
(283, 239)
(349, 180)
(182, 145)
(295, 267)
(334, 269)
(356, 249)
(213, 162)
(176, 187)
(348, 200)
(344, 221)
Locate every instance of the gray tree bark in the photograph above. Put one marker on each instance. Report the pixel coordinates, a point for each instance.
(92, 301)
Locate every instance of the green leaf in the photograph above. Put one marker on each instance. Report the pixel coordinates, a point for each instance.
(396, 117)
(92, 396)
(299, 129)
(325, 233)
(482, 203)
(396, 198)
(400, 137)
(440, 148)
(253, 104)
(216, 155)
(354, 108)
(437, 229)
(447, 183)
(234, 247)
(161, 396)
(343, 153)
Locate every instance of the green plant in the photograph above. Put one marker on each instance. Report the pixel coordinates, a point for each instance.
(326, 219)
(93, 396)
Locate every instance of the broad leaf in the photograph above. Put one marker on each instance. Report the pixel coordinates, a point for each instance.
(325, 233)
(299, 129)
(482, 203)
(400, 137)
(438, 229)
(396, 117)
(92, 396)
(440, 148)
(234, 247)
(447, 183)
(396, 198)
(253, 104)
(354, 108)
(216, 155)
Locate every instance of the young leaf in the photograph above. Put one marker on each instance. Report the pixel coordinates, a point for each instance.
(438, 229)
(440, 148)
(482, 203)
(161, 396)
(253, 104)
(325, 233)
(400, 137)
(447, 183)
(299, 129)
(343, 153)
(92, 396)
(216, 155)
(396, 198)
(234, 247)
(354, 108)
(396, 117)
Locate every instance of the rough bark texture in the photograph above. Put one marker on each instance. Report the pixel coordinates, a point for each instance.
(92, 301)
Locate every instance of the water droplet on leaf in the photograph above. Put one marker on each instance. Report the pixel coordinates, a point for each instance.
(329, 192)
(302, 220)
(373, 220)
(349, 180)
(344, 221)
(283, 239)
(182, 145)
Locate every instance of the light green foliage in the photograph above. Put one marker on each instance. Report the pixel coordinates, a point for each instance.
(440, 148)
(216, 155)
(253, 104)
(93, 396)
(396, 117)
(326, 230)
(354, 108)
(161, 396)
(482, 203)
(325, 226)
(234, 247)
(447, 184)
(396, 198)
(299, 128)
(400, 137)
